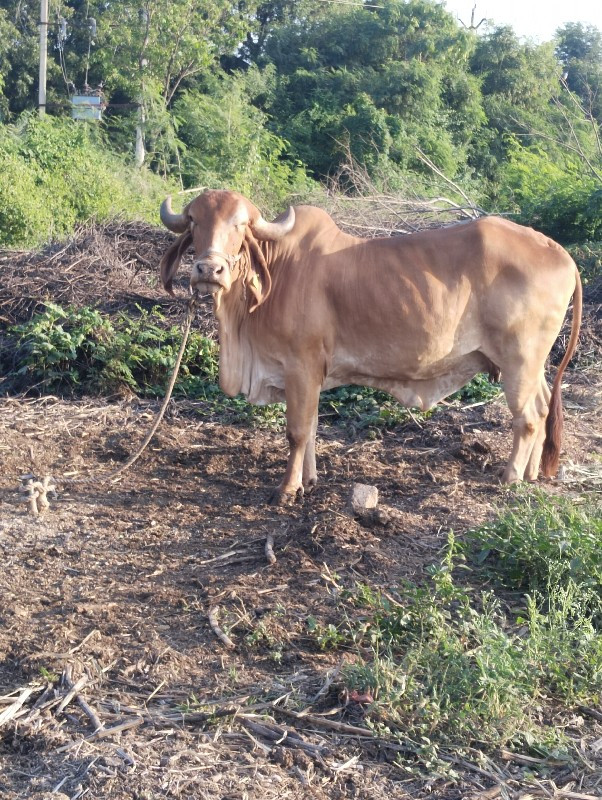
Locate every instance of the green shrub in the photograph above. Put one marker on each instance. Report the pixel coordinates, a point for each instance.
(588, 257)
(445, 665)
(82, 350)
(559, 199)
(55, 173)
(361, 408)
(541, 543)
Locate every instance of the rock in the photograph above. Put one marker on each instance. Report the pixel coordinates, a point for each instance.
(363, 497)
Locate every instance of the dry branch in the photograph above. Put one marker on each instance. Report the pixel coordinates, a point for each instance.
(329, 724)
(10, 712)
(224, 638)
(269, 549)
(280, 735)
(102, 733)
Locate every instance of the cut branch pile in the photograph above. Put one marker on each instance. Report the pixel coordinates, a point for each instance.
(360, 208)
(312, 745)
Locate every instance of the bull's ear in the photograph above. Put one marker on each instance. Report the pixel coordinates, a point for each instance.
(258, 278)
(171, 260)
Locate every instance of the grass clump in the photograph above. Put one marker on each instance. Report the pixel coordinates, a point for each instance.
(463, 661)
(541, 544)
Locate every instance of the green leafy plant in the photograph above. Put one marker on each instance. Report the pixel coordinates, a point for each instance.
(327, 637)
(542, 543)
(81, 349)
(446, 665)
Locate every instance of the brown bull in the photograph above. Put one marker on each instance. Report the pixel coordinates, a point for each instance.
(303, 307)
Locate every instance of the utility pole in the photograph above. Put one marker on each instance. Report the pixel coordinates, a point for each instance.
(43, 56)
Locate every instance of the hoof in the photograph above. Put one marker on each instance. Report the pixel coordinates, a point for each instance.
(310, 486)
(286, 498)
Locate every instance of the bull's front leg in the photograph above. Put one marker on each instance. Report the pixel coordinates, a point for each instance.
(302, 394)
(310, 473)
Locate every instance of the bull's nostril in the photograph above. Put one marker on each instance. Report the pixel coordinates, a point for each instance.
(219, 270)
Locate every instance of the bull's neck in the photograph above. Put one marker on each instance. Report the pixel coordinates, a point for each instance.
(233, 317)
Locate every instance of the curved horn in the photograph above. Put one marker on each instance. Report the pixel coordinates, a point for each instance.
(277, 229)
(177, 223)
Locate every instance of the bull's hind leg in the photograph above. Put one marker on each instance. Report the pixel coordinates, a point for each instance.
(542, 402)
(526, 401)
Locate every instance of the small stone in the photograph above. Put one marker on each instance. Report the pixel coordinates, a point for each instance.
(363, 497)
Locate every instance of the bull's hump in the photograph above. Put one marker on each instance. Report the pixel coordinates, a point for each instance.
(316, 230)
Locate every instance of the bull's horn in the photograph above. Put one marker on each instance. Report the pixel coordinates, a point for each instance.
(177, 223)
(277, 229)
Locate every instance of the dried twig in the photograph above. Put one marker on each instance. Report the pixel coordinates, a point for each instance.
(282, 736)
(102, 733)
(269, 549)
(13, 708)
(224, 638)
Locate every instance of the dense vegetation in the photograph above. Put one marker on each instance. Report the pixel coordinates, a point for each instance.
(272, 97)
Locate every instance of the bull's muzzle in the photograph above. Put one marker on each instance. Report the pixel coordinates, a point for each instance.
(209, 272)
(212, 271)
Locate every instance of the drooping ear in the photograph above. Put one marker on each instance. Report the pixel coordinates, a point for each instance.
(258, 278)
(171, 260)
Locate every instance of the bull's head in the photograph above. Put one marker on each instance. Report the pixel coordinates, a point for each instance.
(223, 228)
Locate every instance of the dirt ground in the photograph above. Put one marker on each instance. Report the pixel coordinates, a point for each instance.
(110, 593)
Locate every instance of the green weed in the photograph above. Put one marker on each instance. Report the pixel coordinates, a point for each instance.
(541, 543)
(82, 350)
(451, 665)
(327, 637)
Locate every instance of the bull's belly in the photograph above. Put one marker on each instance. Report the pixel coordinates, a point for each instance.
(263, 380)
(424, 392)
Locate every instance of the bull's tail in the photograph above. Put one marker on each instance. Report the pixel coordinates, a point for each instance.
(554, 424)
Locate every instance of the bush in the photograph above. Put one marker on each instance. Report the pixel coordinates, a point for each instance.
(81, 350)
(543, 544)
(557, 199)
(56, 173)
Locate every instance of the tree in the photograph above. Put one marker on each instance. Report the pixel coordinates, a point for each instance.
(519, 82)
(579, 48)
(376, 82)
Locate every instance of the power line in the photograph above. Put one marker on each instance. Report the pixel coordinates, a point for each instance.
(348, 3)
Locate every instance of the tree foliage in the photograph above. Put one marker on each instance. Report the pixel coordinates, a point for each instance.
(258, 95)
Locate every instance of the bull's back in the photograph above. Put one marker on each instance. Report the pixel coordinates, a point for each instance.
(413, 305)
